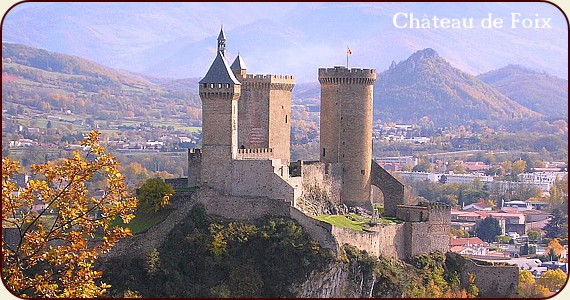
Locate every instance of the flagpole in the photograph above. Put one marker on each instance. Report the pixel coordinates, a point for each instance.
(347, 56)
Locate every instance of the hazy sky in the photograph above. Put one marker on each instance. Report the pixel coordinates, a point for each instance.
(178, 39)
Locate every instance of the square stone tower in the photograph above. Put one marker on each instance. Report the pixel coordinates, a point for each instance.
(264, 111)
(219, 92)
(346, 129)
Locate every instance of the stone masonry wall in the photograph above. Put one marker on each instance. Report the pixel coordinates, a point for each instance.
(392, 189)
(492, 281)
(346, 128)
(318, 230)
(251, 177)
(386, 241)
(240, 207)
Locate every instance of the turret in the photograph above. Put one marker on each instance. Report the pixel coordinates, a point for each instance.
(219, 92)
(222, 42)
(238, 67)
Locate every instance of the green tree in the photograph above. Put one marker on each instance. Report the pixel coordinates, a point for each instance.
(488, 229)
(557, 227)
(533, 235)
(503, 239)
(155, 194)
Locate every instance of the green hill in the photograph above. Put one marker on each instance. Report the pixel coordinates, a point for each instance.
(50, 83)
(426, 85)
(538, 91)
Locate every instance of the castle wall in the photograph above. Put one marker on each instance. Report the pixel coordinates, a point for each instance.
(386, 241)
(392, 189)
(251, 177)
(318, 230)
(194, 167)
(346, 128)
(253, 114)
(328, 176)
(240, 207)
(255, 153)
(492, 281)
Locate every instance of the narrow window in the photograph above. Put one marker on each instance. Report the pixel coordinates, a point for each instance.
(362, 172)
(285, 119)
(324, 152)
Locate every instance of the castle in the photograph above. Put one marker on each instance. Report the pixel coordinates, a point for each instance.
(244, 168)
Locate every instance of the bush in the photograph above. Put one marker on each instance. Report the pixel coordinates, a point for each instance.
(155, 194)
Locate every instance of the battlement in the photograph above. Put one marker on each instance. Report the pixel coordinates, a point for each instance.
(254, 153)
(269, 78)
(344, 75)
(435, 206)
(194, 153)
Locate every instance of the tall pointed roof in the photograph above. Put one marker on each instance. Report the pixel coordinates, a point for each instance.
(220, 72)
(238, 64)
(222, 35)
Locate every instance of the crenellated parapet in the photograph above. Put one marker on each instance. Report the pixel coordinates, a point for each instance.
(342, 75)
(254, 153)
(268, 82)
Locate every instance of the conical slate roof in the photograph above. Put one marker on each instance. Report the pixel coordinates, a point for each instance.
(220, 72)
(222, 35)
(238, 64)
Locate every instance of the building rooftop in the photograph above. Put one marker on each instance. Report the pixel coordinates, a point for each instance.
(219, 72)
(238, 64)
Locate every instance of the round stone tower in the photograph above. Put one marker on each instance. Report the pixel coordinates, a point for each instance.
(346, 128)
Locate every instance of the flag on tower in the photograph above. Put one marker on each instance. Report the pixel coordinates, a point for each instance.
(348, 51)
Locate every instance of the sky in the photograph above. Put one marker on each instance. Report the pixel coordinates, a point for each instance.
(177, 40)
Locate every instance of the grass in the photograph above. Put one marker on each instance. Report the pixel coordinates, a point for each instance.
(354, 221)
(145, 219)
(186, 189)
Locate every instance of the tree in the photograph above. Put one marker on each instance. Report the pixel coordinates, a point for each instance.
(533, 235)
(553, 279)
(554, 249)
(488, 229)
(528, 288)
(155, 194)
(557, 227)
(50, 247)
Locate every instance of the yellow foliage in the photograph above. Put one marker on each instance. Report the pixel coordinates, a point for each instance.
(553, 279)
(52, 249)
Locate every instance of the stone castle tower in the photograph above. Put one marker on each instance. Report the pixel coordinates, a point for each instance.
(245, 130)
(346, 129)
(264, 111)
(219, 92)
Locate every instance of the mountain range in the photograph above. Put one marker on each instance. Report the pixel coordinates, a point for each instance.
(177, 40)
(536, 90)
(424, 87)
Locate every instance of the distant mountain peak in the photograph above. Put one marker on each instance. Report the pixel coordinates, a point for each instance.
(425, 54)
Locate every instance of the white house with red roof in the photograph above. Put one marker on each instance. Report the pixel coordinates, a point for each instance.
(468, 246)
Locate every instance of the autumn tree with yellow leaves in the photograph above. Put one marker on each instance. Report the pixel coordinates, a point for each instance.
(54, 232)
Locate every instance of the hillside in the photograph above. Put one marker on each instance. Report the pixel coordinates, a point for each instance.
(426, 85)
(538, 91)
(45, 82)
